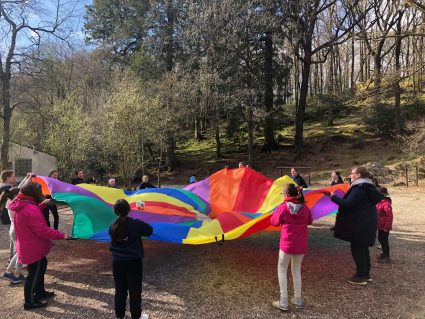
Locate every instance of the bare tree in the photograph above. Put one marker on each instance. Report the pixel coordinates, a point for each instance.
(22, 25)
(301, 21)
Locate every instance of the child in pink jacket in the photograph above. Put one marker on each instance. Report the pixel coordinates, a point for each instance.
(33, 242)
(385, 224)
(294, 216)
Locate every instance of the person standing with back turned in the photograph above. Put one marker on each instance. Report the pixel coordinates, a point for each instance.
(357, 221)
(127, 259)
(294, 217)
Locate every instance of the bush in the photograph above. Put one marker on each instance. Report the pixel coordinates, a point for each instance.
(380, 119)
(326, 107)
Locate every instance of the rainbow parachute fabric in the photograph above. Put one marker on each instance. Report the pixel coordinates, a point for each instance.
(230, 204)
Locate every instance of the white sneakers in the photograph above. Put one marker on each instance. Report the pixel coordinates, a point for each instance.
(282, 304)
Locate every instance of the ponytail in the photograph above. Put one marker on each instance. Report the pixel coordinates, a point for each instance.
(8, 194)
(3, 199)
(118, 231)
(293, 191)
(300, 195)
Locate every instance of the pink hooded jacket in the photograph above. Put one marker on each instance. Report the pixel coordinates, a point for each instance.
(32, 234)
(385, 214)
(294, 218)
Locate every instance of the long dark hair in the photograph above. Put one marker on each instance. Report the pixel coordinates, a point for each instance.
(118, 230)
(8, 194)
(293, 191)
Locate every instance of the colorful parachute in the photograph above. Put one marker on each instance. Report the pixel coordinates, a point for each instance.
(230, 204)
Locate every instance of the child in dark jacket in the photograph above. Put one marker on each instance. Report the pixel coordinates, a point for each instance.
(294, 216)
(385, 223)
(127, 259)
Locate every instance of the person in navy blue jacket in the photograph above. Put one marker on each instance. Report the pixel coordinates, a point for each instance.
(357, 220)
(127, 259)
(297, 178)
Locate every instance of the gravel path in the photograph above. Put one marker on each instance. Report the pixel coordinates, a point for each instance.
(238, 279)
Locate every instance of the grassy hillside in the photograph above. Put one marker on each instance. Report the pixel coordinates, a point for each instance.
(327, 148)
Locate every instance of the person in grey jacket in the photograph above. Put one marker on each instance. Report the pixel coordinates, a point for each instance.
(357, 220)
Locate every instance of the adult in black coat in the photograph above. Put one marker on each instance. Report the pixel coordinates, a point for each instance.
(297, 178)
(357, 220)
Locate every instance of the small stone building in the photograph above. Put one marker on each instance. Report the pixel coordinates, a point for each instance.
(23, 159)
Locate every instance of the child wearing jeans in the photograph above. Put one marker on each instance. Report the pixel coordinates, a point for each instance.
(294, 216)
(13, 270)
(127, 259)
(385, 223)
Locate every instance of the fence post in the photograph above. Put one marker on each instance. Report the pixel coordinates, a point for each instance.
(406, 174)
(417, 175)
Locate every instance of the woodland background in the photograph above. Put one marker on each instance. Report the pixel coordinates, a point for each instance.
(159, 79)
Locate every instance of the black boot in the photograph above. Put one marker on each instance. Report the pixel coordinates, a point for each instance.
(35, 305)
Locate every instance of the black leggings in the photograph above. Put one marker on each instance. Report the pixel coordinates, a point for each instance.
(34, 282)
(128, 279)
(361, 257)
(54, 209)
(383, 240)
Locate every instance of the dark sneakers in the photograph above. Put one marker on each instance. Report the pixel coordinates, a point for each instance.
(384, 259)
(35, 305)
(356, 280)
(46, 295)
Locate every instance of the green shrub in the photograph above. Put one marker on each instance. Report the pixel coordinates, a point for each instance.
(380, 119)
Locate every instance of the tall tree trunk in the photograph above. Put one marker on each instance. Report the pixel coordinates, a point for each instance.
(362, 62)
(7, 116)
(250, 128)
(414, 64)
(169, 46)
(159, 164)
(377, 72)
(421, 56)
(217, 140)
(331, 85)
(269, 140)
(352, 79)
(198, 135)
(396, 85)
(300, 111)
(171, 160)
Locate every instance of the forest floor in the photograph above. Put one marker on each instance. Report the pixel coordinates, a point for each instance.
(239, 278)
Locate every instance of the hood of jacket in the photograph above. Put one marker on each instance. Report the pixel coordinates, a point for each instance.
(294, 208)
(374, 196)
(19, 204)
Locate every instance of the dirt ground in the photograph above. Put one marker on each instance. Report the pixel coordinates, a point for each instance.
(238, 279)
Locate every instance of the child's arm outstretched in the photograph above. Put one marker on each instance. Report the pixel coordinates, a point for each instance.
(38, 225)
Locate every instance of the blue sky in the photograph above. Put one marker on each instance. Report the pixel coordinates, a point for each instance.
(41, 15)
